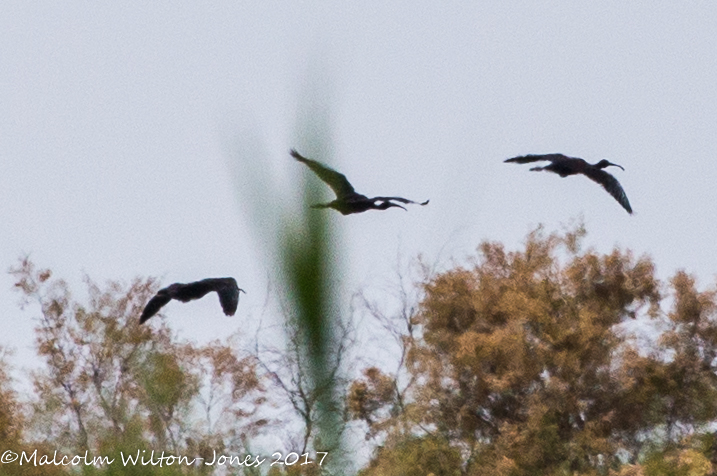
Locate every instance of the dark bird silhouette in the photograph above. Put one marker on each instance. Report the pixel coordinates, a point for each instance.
(226, 288)
(347, 200)
(564, 166)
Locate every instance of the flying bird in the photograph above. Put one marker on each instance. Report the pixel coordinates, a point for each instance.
(564, 166)
(226, 288)
(347, 200)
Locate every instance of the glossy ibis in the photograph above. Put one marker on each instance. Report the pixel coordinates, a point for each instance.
(226, 288)
(347, 200)
(564, 166)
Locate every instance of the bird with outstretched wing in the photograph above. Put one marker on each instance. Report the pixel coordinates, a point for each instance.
(226, 288)
(347, 199)
(565, 166)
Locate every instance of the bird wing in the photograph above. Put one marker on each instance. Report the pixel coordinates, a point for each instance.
(154, 305)
(610, 184)
(526, 159)
(226, 288)
(337, 181)
(228, 292)
(191, 291)
(401, 199)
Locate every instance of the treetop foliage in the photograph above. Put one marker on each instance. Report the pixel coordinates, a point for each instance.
(520, 362)
(109, 384)
(523, 365)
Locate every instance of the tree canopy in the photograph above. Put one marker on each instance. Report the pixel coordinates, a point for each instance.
(527, 363)
(551, 360)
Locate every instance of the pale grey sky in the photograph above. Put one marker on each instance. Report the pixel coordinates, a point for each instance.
(118, 119)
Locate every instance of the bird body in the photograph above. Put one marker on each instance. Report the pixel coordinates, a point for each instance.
(348, 201)
(226, 288)
(565, 166)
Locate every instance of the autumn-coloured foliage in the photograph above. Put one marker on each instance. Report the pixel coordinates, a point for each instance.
(526, 363)
(12, 423)
(549, 360)
(110, 385)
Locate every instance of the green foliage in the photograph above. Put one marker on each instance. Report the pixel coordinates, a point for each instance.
(314, 330)
(685, 462)
(416, 456)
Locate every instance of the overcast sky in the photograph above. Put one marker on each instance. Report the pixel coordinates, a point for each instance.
(119, 124)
